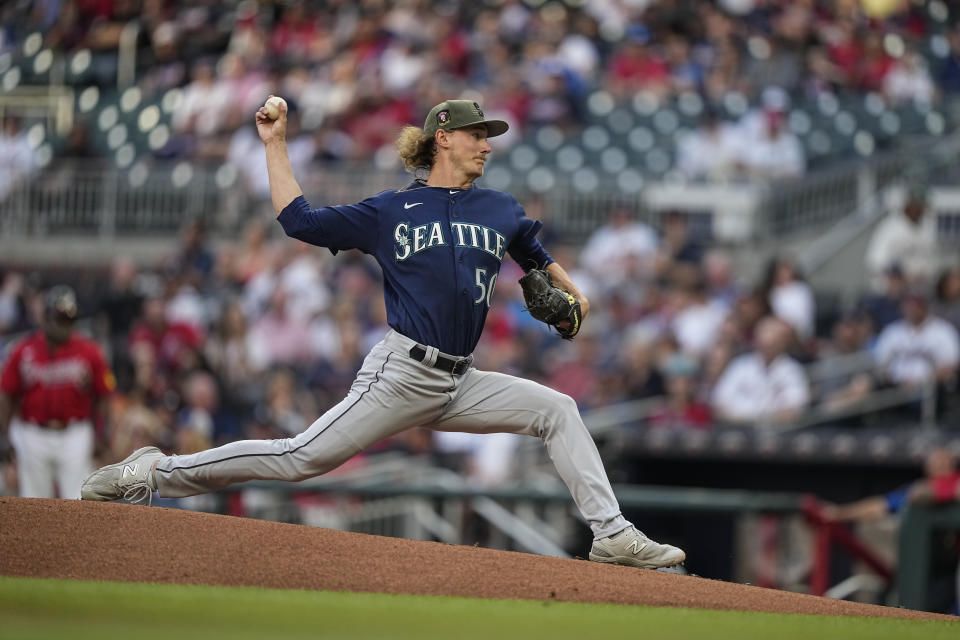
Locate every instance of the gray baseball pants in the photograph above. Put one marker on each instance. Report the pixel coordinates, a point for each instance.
(392, 393)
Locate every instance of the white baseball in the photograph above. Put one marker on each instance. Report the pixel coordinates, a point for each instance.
(273, 106)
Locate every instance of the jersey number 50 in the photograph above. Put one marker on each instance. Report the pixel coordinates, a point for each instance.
(486, 288)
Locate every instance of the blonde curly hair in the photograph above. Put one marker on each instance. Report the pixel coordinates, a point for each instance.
(417, 149)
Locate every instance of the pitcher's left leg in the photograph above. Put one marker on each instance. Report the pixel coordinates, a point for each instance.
(491, 402)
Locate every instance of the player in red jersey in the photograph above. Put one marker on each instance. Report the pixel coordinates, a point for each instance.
(53, 387)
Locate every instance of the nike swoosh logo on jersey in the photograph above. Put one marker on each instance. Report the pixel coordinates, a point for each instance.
(452, 191)
(407, 205)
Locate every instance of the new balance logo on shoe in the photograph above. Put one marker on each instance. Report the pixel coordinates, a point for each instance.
(633, 549)
(636, 547)
(130, 471)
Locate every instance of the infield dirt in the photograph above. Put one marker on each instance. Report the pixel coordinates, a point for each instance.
(106, 541)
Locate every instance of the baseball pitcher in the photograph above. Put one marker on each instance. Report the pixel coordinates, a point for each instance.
(440, 242)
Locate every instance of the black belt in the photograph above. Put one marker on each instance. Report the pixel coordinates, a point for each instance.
(456, 367)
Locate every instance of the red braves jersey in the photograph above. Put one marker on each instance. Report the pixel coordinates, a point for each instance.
(56, 382)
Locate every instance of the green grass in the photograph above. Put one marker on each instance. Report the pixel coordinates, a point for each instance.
(35, 608)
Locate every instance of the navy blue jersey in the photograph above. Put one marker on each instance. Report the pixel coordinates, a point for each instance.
(440, 251)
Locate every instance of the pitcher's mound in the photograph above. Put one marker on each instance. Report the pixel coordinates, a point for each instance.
(107, 541)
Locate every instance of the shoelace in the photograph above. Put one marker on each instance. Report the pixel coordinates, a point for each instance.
(139, 492)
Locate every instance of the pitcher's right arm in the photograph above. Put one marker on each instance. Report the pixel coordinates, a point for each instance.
(283, 185)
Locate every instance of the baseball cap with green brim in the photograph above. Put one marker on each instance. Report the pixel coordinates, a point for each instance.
(457, 114)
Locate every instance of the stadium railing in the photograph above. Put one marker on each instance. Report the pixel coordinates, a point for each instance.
(86, 199)
(424, 502)
(604, 420)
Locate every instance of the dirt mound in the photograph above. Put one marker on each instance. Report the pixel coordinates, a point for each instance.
(104, 541)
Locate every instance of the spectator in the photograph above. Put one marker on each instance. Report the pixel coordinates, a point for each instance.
(254, 254)
(278, 337)
(909, 80)
(873, 65)
(403, 63)
(555, 95)
(774, 60)
(578, 49)
(134, 425)
(297, 35)
(642, 378)
(16, 156)
(186, 305)
(486, 460)
(678, 246)
(727, 72)
(247, 86)
(165, 67)
(844, 389)
(248, 38)
(117, 310)
(302, 279)
(714, 364)
(120, 304)
(908, 238)
(193, 261)
(696, 323)
(790, 297)
(148, 380)
(766, 385)
(884, 307)
(686, 72)
(172, 345)
(338, 344)
(769, 150)
(722, 290)
(949, 75)
(206, 103)
(281, 407)
(822, 76)
(612, 248)
(749, 309)
(227, 352)
(920, 348)
(710, 151)
(11, 311)
(947, 304)
(195, 429)
(635, 66)
(451, 43)
(680, 409)
(574, 375)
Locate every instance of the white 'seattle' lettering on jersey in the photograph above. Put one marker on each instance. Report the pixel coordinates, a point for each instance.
(440, 250)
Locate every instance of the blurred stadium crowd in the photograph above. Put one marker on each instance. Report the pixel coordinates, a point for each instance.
(256, 336)
(354, 72)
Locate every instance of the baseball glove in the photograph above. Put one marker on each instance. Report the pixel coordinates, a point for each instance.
(551, 304)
